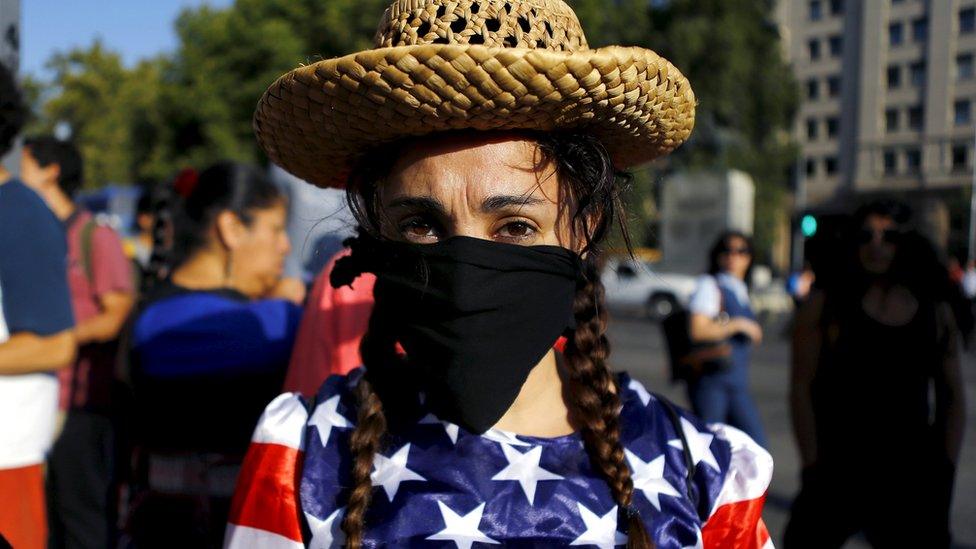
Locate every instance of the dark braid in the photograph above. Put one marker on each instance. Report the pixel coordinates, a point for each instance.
(365, 442)
(596, 403)
(378, 350)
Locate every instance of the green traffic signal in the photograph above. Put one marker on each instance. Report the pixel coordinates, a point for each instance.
(808, 225)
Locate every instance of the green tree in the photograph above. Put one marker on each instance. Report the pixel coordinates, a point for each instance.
(730, 51)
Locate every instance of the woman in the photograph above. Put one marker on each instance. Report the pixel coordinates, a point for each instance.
(721, 314)
(210, 347)
(484, 241)
(876, 372)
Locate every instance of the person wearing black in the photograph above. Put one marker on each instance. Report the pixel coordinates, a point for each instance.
(869, 343)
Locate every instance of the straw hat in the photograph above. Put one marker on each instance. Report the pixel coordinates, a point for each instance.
(442, 65)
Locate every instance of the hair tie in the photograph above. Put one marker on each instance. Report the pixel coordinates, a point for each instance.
(185, 182)
(632, 511)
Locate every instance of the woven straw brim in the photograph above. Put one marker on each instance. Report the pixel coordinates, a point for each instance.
(317, 120)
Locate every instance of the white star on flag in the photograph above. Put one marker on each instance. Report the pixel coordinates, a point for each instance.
(326, 533)
(504, 437)
(649, 478)
(600, 531)
(699, 445)
(524, 468)
(391, 471)
(450, 428)
(640, 390)
(326, 416)
(463, 531)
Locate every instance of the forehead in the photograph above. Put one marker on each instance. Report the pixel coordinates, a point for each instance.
(473, 165)
(879, 221)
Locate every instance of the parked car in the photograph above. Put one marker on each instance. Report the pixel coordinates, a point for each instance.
(635, 286)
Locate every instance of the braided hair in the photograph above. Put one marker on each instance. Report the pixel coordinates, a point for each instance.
(591, 181)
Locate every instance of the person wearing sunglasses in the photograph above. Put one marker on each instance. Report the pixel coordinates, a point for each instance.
(722, 316)
(876, 334)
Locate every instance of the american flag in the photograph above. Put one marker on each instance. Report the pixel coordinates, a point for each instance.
(436, 485)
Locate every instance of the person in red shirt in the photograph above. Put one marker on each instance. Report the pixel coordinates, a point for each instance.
(333, 324)
(102, 295)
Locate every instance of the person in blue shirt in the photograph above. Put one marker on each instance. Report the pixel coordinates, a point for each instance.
(211, 344)
(36, 337)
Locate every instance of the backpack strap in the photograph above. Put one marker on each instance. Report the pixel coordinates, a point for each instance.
(675, 420)
(87, 249)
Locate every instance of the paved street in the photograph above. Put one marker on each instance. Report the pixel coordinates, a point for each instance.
(639, 348)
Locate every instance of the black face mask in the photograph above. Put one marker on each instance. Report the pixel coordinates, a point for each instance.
(474, 316)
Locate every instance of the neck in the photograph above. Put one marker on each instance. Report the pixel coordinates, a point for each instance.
(4, 175)
(202, 271)
(539, 410)
(61, 205)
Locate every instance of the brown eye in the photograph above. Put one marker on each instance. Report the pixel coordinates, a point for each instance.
(516, 231)
(418, 229)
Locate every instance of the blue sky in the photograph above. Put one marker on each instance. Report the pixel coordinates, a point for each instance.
(135, 28)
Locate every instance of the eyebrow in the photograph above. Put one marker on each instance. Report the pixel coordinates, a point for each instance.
(502, 201)
(427, 203)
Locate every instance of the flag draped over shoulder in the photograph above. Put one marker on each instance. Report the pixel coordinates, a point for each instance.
(436, 485)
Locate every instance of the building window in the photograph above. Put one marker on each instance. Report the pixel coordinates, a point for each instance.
(812, 129)
(920, 29)
(811, 167)
(894, 77)
(833, 126)
(836, 44)
(896, 34)
(964, 66)
(813, 47)
(890, 162)
(813, 89)
(833, 86)
(959, 153)
(816, 10)
(917, 74)
(967, 20)
(830, 165)
(837, 7)
(915, 118)
(963, 112)
(891, 120)
(913, 160)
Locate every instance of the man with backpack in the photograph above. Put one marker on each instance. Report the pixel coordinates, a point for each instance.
(100, 279)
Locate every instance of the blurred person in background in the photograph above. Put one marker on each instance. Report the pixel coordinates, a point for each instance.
(210, 348)
(81, 463)
(721, 313)
(142, 238)
(332, 328)
(36, 337)
(874, 336)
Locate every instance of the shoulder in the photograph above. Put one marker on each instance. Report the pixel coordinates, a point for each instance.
(715, 464)
(23, 212)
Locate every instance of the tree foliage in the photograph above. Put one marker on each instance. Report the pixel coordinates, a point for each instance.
(194, 105)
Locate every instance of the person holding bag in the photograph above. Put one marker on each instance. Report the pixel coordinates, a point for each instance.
(721, 319)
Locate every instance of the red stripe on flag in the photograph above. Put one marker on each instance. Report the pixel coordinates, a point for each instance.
(266, 497)
(736, 525)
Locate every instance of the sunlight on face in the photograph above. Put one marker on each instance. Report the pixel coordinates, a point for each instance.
(265, 245)
(486, 186)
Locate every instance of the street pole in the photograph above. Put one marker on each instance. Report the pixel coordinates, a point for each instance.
(799, 207)
(972, 203)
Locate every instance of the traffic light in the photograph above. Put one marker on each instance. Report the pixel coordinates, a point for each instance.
(808, 226)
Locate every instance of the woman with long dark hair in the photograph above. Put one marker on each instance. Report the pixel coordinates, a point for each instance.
(211, 343)
(722, 314)
(877, 393)
(479, 145)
